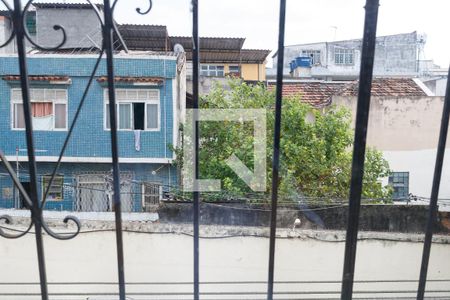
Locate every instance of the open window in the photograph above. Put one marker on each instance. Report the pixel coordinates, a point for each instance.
(48, 109)
(313, 54)
(137, 109)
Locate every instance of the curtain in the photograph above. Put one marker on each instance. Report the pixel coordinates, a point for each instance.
(60, 116)
(41, 109)
(124, 116)
(152, 116)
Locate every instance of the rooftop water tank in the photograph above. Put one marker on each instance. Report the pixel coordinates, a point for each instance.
(303, 61)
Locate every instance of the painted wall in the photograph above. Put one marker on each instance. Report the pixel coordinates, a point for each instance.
(406, 129)
(420, 165)
(92, 257)
(89, 138)
(88, 35)
(252, 72)
(255, 72)
(394, 55)
(5, 33)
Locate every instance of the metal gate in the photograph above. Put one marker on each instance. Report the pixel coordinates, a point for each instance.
(94, 192)
(151, 195)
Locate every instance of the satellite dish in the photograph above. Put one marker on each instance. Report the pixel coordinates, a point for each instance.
(178, 48)
(422, 38)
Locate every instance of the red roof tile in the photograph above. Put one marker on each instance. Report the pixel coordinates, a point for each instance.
(157, 80)
(387, 87)
(37, 78)
(319, 94)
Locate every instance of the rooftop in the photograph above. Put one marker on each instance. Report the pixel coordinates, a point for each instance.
(79, 5)
(349, 40)
(213, 49)
(315, 93)
(397, 87)
(319, 93)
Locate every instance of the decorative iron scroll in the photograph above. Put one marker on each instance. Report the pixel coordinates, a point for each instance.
(18, 14)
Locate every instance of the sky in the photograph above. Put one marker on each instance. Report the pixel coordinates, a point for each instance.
(306, 21)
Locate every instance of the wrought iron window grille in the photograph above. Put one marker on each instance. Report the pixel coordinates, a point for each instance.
(21, 34)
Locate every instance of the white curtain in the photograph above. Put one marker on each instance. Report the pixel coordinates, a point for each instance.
(152, 116)
(124, 116)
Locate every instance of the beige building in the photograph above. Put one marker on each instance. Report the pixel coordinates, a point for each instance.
(404, 124)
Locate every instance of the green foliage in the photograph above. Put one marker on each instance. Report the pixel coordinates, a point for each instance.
(315, 146)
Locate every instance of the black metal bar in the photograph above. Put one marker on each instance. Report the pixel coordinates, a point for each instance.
(276, 148)
(432, 210)
(108, 46)
(35, 209)
(359, 148)
(196, 208)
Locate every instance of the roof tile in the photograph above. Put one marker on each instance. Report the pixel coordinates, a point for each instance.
(157, 80)
(37, 78)
(319, 93)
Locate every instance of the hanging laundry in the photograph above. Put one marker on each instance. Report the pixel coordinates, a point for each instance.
(137, 140)
(43, 123)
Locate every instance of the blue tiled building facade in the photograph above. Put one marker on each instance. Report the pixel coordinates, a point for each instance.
(149, 108)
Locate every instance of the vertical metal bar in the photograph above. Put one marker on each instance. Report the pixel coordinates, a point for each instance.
(432, 210)
(108, 45)
(35, 209)
(276, 148)
(359, 148)
(195, 70)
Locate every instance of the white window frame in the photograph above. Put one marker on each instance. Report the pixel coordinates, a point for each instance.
(316, 58)
(131, 101)
(47, 177)
(346, 54)
(54, 102)
(211, 68)
(234, 66)
(160, 191)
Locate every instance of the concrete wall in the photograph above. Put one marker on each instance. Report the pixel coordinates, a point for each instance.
(393, 218)
(441, 85)
(394, 55)
(3, 30)
(91, 257)
(437, 85)
(406, 129)
(5, 33)
(400, 123)
(85, 36)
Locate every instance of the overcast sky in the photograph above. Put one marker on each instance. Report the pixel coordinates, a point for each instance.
(307, 21)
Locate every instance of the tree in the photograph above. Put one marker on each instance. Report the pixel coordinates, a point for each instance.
(315, 146)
